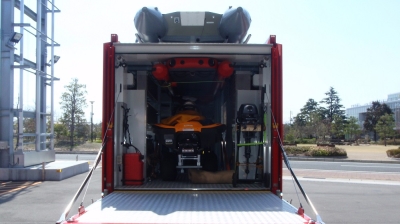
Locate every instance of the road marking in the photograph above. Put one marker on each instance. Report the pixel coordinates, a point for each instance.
(351, 181)
(341, 162)
(373, 166)
(335, 171)
(14, 187)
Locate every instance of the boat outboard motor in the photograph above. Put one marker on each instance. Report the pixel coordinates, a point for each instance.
(247, 115)
(248, 122)
(150, 24)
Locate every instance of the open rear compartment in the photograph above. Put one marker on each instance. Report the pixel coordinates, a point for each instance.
(188, 117)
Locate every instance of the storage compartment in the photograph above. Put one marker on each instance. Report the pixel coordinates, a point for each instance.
(190, 112)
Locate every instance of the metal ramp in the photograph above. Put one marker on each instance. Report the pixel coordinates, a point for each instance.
(191, 207)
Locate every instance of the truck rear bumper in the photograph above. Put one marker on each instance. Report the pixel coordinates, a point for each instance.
(190, 207)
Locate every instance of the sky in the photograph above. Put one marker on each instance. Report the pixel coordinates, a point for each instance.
(350, 45)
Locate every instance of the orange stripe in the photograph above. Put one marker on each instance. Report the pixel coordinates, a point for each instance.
(25, 185)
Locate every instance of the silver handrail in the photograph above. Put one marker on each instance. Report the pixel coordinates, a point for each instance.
(89, 175)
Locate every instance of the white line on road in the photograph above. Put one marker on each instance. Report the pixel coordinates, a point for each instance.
(352, 181)
(327, 162)
(336, 171)
(373, 166)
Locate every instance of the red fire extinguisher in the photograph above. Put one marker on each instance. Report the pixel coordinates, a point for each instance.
(133, 169)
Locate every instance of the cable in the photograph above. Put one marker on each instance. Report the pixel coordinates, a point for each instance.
(297, 193)
(102, 146)
(127, 132)
(89, 176)
(286, 160)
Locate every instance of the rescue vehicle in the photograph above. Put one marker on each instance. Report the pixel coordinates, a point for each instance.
(192, 125)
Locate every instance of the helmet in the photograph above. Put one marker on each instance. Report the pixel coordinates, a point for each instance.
(189, 105)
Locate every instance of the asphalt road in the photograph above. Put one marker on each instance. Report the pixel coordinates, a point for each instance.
(345, 202)
(44, 202)
(346, 166)
(336, 202)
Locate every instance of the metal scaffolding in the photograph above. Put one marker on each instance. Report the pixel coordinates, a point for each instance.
(27, 146)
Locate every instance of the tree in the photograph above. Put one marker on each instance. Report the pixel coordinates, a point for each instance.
(307, 121)
(351, 128)
(385, 126)
(308, 109)
(299, 126)
(288, 133)
(97, 131)
(300, 120)
(60, 130)
(29, 127)
(73, 101)
(374, 113)
(337, 126)
(333, 105)
(317, 126)
(82, 130)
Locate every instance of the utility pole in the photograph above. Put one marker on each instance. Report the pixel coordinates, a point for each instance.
(91, 122)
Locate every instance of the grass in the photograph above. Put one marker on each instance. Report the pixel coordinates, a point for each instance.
(78, 146)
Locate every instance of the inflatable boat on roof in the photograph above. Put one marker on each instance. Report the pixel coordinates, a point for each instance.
(192, 27)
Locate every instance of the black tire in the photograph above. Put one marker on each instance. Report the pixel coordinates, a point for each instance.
(168, 167)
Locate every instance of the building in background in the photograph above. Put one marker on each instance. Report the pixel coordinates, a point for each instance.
(359, 112)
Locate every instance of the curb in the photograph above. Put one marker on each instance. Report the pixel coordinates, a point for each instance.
(342, 160)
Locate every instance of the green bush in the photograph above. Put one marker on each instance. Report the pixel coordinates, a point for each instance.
(305, 141)
(326, 151)
(315, 151)
(318, 152)
(296, 150)
(98, 141)
(290, 138)
(393, 153)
